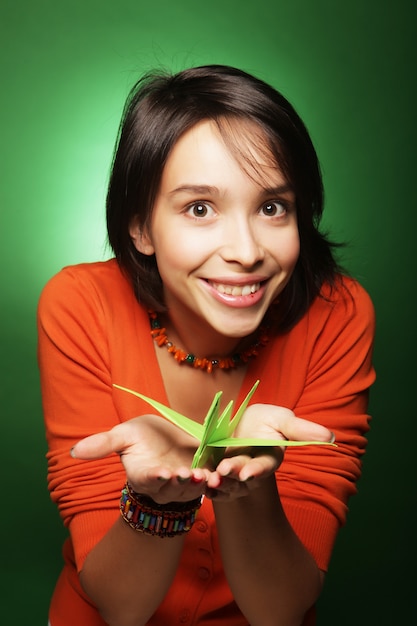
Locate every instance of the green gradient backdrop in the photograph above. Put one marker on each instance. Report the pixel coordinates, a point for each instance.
(348, 67)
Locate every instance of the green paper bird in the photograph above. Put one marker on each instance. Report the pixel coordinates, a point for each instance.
(215, 434)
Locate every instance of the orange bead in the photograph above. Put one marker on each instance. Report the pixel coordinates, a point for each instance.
(160, 337)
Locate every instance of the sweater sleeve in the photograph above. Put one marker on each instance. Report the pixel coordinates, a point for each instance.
(75, 373)
(317, 482)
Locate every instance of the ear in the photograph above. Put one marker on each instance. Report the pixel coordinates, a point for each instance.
(141, 239)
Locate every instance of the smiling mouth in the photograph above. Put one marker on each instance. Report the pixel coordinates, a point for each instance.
(235, 290)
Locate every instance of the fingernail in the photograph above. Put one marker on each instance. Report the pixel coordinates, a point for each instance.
(72, 452)
(332, 438)
(162, 479)
(181, 479)
(248, 479)
(196, 480)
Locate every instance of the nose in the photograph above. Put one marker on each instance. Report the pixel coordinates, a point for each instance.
(241, 243)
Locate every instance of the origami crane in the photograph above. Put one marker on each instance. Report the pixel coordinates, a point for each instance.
(215, 434)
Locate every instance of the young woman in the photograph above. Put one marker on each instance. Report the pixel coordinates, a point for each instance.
(221, 277)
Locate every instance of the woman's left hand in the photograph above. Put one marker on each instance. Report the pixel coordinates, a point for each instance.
(242, 469)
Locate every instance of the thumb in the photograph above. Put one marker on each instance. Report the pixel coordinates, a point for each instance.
(280, 422)
(300, 429)
(99, 445)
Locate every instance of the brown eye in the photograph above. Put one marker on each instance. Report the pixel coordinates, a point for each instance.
(199, 209)
(273, 209)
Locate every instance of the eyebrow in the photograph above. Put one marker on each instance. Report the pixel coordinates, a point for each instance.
(210, 189)
(276, 191)
(199, 189)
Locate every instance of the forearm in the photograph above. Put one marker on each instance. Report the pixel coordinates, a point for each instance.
(273, 578)
(128, 574)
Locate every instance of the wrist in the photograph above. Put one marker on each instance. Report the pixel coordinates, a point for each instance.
(145, 515)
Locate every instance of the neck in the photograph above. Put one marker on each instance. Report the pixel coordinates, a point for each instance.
(199, 339)
(211, 361)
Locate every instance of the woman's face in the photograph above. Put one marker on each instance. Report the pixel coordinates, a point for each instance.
(225, 236)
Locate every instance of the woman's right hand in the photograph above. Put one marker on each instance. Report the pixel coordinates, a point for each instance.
(156, 455)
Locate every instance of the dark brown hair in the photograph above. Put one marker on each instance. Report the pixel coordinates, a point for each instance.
(162, 107)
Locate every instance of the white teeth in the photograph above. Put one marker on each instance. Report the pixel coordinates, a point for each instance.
(235, 290)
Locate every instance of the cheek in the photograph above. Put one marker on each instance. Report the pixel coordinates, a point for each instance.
(183, 243)
(288, 251)
(178, 254)
(295, 251)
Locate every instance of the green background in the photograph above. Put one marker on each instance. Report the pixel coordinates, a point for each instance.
(349, 68)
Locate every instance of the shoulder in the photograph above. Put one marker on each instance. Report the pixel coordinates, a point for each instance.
(345, 301)
(340, 325)
(85, 280)
(340, 320)
(100, 273)
(88, 291)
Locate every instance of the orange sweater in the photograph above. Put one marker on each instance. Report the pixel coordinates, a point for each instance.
(93, 333)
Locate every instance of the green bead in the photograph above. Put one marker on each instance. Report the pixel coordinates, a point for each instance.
(190, 358)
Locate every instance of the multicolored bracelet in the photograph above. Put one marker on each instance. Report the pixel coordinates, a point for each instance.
(162, 520)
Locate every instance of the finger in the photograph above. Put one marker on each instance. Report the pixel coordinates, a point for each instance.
(259, 467)
(299, 429)
(244, 466)
(289, 426)
(171, 490)
(199, 476)
(100, 445)
(179, 484)
(230, 466)
(280, 423)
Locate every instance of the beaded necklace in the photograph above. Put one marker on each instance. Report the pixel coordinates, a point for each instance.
(234, 360)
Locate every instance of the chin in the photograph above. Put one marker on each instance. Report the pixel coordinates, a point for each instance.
(239, 329)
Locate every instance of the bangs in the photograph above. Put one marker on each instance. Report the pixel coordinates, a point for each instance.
(256, 152)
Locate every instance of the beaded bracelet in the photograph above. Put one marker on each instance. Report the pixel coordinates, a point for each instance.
(163, 520)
